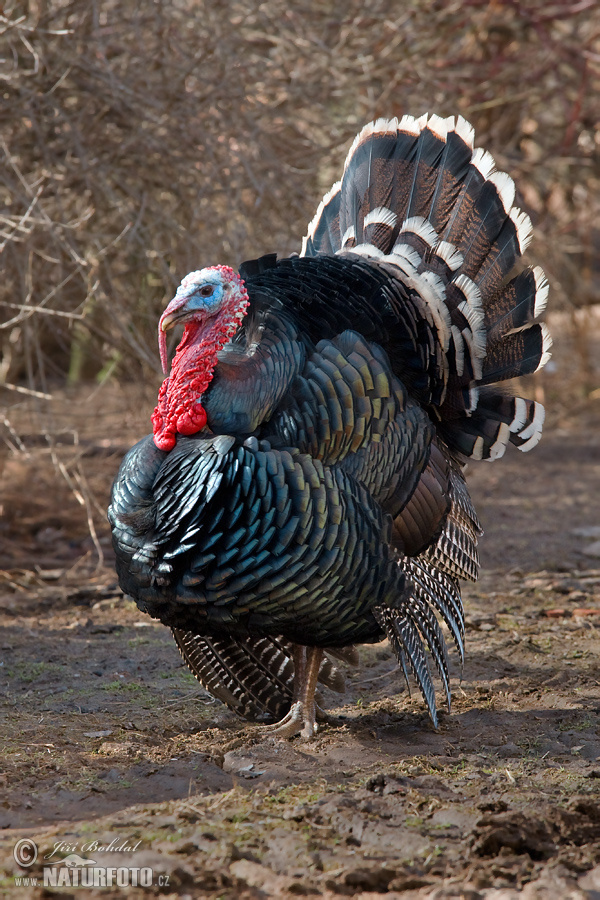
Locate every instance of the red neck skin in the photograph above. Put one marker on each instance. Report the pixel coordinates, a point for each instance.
(179, 410)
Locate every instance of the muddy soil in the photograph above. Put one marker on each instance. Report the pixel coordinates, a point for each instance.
(111, 752)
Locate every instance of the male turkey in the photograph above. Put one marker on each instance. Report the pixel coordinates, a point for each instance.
(303, 489)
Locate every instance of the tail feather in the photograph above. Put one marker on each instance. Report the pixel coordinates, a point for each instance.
(521, 352)
(428, 154)
(417, 232)
(378, 227)
(521, 301)
(455, 551)
(429, 583)
(469, 339)
(254, 677)
(324, 230)
(376, 174)
(498, 420)
(432, 586)
(480, 168)
(412, 626)
(261, 690)
(500, 258)
(427, 623)
(408, 646)
(452, 170)
(482, 228)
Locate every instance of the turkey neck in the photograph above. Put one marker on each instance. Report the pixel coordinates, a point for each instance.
(179, 410)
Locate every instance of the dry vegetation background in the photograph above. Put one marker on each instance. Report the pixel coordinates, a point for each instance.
(141, 139)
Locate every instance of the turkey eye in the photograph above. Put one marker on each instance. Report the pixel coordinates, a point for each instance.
(206, 290)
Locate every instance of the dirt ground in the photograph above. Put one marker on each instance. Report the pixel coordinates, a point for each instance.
(107, 741)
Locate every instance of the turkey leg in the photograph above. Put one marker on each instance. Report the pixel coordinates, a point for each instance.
(301, 719)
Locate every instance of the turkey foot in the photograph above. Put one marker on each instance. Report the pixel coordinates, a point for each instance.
(302, 717)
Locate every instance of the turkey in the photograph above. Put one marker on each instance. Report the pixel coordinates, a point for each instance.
(303, 489)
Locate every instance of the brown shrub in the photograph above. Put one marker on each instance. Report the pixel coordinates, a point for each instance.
(142, 140)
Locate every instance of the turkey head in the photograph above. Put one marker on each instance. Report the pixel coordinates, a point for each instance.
(211, 303)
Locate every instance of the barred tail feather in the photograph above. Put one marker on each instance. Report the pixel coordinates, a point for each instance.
(428, 154)
(452, 170)
(520, 352)
(519, 303)
(412, 626)
(441, 591)
(324, 230)
(498, 420)
(254, 677)
(427, 623)
(484, 225)
(407, 644)
(455, 551)
(432, 587)
(229, 670)
(499, 259)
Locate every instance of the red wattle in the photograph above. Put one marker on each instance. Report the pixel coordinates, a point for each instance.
(165, 441)
(192, 420)
(179, 410)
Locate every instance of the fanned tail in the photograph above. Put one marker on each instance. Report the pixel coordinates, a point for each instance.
(418, 199)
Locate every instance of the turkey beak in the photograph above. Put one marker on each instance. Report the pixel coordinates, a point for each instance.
(175, 312)
(167, 320)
